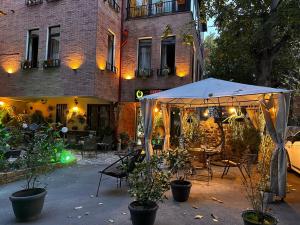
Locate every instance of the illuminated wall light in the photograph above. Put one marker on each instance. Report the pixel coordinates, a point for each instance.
(156, 109)
(205, 113)
(232, 110)
(75, 109)
(128, 77)
(2, 103)
(74, 61)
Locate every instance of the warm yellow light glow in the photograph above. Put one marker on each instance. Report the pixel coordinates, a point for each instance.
(10, 64)
(2, 103)
(181, 74)
(75, 109)
(101, 63)
(156, 109)
(128, 77)
(182, 70)
(75, 60)
(205, 113)
(232, 110)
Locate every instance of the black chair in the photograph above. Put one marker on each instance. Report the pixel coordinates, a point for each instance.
(106, 143)
(122, 168)
(242, 163)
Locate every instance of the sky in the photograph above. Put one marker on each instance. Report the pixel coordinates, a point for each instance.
(211, 28)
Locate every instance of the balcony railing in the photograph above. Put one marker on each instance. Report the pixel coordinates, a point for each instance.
(158, 8)
(51, 63)
(33, 2)
(164, 72)
(114, 5)
(111, 67)
(144, 73)
(25, 65)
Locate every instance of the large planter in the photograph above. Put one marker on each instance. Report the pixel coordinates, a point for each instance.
(250, 218)
(28, 203)
(143, 214)
(181, 190)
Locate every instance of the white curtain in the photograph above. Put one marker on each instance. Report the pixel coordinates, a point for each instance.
(276, 115)
(166, 120)
(145, 60)
(147, 106)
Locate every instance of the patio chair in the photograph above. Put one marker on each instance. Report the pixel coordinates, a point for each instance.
(242, 163)
(89, 144)
(106, 143)
(122, 168)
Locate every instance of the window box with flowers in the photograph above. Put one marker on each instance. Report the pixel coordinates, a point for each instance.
(51, 63)
(33, 2)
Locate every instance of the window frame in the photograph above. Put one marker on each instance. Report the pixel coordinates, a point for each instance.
(49, 41)
(138, 51)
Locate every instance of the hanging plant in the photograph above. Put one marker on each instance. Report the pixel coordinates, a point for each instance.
(187, 39)
(167, 32)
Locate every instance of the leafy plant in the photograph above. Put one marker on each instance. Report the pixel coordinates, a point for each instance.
(192, 129)
(125, 139)
(37, 117)
(179, 160)
(39, 141)
(148, 182)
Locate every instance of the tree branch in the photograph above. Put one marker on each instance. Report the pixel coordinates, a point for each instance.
(275, 4)
(275, 49)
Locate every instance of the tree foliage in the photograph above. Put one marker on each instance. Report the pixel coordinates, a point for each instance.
(258, 41)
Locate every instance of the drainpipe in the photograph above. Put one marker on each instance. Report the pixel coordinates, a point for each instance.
(120, 63)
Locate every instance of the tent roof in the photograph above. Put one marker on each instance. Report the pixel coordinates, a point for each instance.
(212, 92)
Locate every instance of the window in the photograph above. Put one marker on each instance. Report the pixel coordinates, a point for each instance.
(61, 113)
(110, 52)
(168, 56)
(33, 47)
(144, 57)
(53, 43)
(98, 117)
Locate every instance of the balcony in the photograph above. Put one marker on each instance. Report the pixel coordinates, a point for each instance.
(158, 8)
(33, 2)
(51, 63)
(111, 67)
(114, 5)
(26, 65)
(144, 73)
(164, 72)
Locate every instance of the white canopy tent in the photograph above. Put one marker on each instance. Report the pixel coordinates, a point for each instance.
(214, 92)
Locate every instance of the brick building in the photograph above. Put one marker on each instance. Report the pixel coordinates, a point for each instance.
(73, 60)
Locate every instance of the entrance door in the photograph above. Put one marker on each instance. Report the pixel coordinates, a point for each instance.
(61, 113)
(98, 117)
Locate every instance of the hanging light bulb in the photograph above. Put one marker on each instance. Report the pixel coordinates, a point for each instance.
(232, 110)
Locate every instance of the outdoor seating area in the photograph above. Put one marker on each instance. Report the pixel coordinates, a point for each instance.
(207, 175)
(71, 200)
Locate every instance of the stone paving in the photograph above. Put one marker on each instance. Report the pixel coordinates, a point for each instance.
(71, 200)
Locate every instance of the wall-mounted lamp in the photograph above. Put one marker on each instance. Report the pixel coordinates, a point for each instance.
(76, 101)
(44, 101)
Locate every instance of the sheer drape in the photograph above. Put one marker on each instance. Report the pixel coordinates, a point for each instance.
(147, 111)
(276, 115)
(166, 121)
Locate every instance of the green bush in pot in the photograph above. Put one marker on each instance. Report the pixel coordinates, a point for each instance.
(179, 161)
(148, 184)
(37, 139)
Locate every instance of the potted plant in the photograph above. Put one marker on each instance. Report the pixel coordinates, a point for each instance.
(148, 184)
(256, 187)
(165, 71)
(28, 203)
(180, 162)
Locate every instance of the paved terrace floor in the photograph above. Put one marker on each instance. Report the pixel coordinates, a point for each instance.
(76, 186)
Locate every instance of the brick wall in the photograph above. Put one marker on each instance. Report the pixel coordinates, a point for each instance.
(153, 27)
(81, 37)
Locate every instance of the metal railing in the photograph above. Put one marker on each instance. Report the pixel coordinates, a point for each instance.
(33, 2)
(25, 65)
(51, 63)
(158, 8)
(114, 5)
(163, 72)
(111, 67)
(143, 73)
